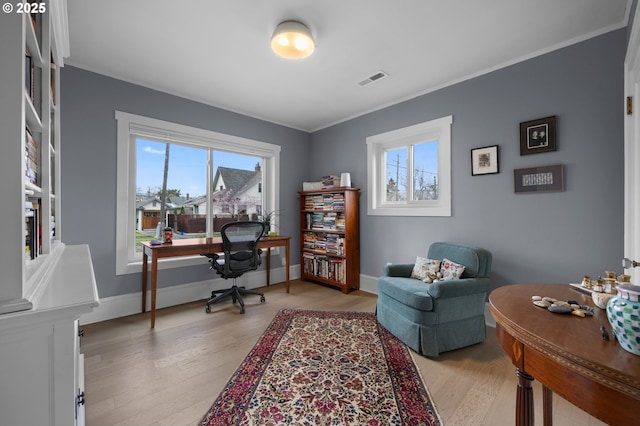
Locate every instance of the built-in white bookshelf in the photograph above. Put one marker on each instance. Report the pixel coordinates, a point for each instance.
(44, 286)
(32, 50)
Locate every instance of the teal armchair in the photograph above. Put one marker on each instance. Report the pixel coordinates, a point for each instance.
(432, 318)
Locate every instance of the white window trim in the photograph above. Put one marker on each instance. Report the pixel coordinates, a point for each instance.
(439, 129)
(130, 126)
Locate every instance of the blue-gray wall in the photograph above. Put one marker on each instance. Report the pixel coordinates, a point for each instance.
(543, 237)
(88, 169)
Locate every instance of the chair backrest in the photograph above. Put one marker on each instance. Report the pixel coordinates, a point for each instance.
(477, 261)
(240, 247)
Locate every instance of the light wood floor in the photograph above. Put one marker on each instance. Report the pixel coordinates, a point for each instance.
(171, 375)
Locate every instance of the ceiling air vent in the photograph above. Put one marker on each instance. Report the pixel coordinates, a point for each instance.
(375, 77)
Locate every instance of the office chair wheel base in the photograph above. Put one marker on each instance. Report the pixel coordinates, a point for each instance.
(262, 299)
(242, 310)
(207, 309)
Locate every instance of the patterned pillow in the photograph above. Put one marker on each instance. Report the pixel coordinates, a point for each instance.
(423, 266)
(451, 270)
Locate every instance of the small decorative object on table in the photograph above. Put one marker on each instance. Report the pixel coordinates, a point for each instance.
(168, 235)
(623, 313)
(267, 219)
(345, 180)
(602, 289)
(562, 307)
(601, 299)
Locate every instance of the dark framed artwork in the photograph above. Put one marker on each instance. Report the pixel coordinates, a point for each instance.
(484, 161)
(538, 135)
(539, 179)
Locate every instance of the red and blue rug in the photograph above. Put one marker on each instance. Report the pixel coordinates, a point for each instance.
(325, 368)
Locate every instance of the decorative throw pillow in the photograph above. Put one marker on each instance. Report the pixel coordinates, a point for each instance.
(423, 267)
(451, 270)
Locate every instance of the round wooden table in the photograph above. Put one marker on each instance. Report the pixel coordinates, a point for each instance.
(566, 354)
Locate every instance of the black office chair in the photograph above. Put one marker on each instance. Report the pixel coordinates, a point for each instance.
(241, 254)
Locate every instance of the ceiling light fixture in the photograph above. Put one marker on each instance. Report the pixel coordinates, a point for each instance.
(292, 40)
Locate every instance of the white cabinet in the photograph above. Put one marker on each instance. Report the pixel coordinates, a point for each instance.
(41, 369)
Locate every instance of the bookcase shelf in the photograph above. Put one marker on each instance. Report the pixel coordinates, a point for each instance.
(329, 237)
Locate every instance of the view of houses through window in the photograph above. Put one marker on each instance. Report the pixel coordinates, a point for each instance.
(171, 189)
(414, 166)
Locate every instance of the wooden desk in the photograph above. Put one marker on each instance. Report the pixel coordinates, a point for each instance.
(193, 247)
(566, 354)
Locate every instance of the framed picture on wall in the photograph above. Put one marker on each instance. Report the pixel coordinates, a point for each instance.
(539, 179)
(484, 161)
(538, 135)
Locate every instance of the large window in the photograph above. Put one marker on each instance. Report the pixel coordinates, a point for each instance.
(190, 179)
(409, 170)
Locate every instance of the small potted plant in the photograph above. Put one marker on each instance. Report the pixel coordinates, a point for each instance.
(267, 219)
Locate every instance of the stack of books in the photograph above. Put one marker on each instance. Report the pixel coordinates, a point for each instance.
(31, 231)
(330, 182)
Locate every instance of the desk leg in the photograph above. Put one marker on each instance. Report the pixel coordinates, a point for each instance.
(269, 266)
(154, 286)
(145, 259)
(547, 406)
(524, 399)
(286, 255)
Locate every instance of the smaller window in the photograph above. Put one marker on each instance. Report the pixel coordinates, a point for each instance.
(409, 170)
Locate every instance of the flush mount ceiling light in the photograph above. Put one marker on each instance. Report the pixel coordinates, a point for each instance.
(292, 40)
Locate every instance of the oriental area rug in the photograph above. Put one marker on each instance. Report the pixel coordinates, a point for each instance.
(325, 368)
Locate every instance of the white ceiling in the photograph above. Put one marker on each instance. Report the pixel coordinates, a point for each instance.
(217, 51)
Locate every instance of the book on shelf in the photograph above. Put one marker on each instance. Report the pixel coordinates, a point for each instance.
(32, 230)
(329, 268)
(28, 74)
(52, 80)
(52, 228)
(31, 158)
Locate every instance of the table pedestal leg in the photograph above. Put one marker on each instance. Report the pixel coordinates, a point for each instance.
(547, 406)
(286, 254)
(524, 399)
(269, 266)
(145, 259)
(154, 287)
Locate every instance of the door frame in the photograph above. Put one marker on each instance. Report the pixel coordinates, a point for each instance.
(632, 149)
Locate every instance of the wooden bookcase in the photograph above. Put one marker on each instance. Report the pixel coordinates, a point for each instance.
(330, 237)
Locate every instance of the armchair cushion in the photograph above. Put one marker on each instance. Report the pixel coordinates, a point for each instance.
(424, 266)
(451, 270)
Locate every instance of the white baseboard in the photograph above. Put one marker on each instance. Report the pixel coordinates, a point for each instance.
(129, 304)
(488, 318)
(369, 284)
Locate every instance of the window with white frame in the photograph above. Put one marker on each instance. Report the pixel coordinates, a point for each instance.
(186, 178)
(409, 170)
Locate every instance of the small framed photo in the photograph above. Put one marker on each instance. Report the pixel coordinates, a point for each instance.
(539, 179)
(538, 135)
(484, 161)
